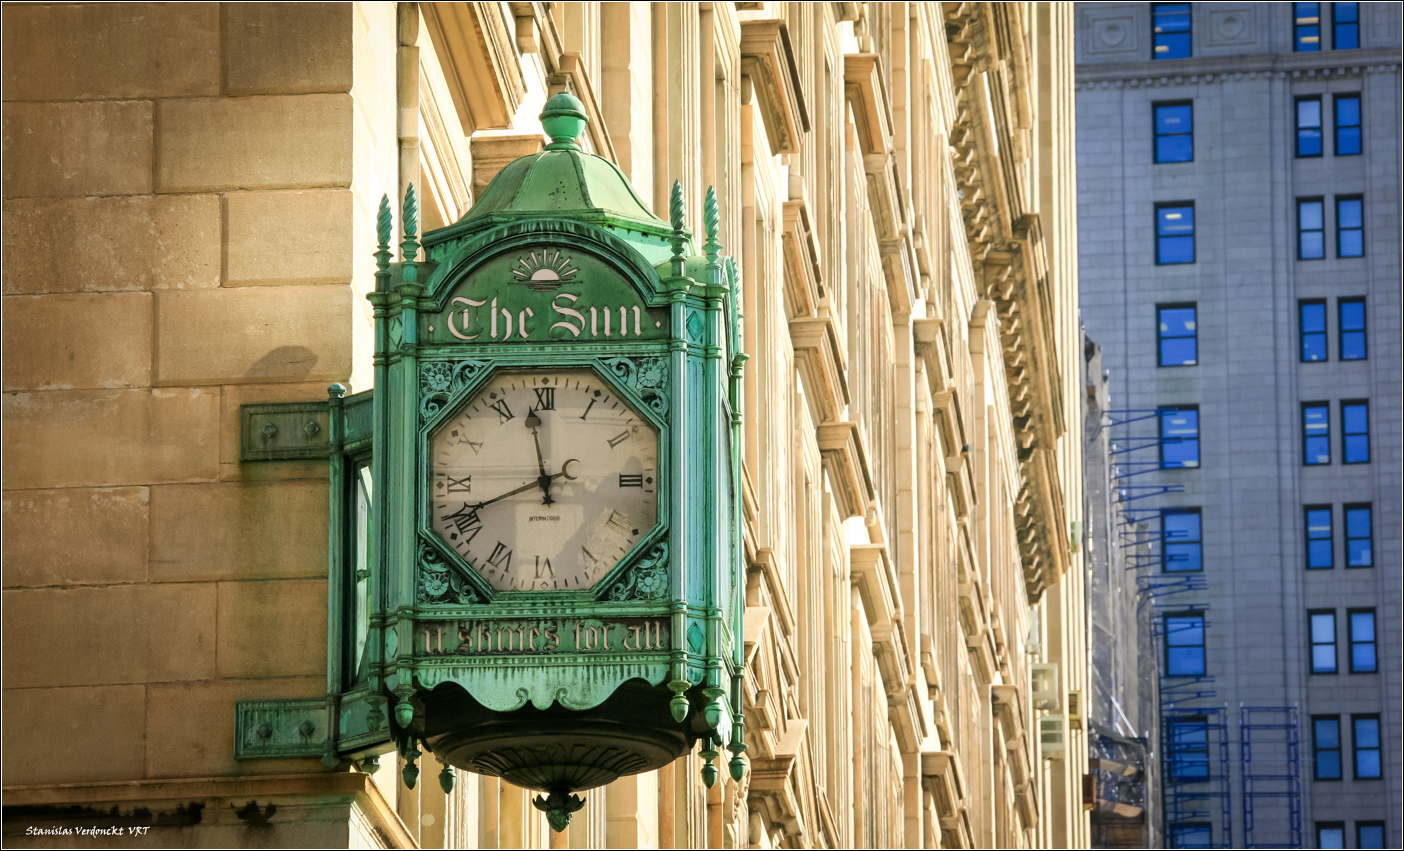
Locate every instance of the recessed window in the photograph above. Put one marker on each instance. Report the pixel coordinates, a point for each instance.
(1316, 433)
(1307, 26)
(1369, 834)
(1322, 626)
(1191, 836)
(1330, 834)
(1184, 645)
(1365, 738)
(1350, 226)
(1171, 25)
(1189, 749)
(1346, 29)
(1320, 545)
(1347, 125)
(1174, 132)
(1309, 125)
(1326, 746)
(1351, 316)
(1359, 540)
(1179, 438)
(1312, 317)
(1362, 641)
(1180, 540)
(1311, 229)
(1179, 336)
(1355, 432)
(1174, 233)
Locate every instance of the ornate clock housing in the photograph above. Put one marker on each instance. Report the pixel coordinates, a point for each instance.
(543, 480)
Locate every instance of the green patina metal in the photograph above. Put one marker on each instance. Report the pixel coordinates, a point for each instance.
(559, 270)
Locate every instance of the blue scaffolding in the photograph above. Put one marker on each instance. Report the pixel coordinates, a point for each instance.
(1269, 743)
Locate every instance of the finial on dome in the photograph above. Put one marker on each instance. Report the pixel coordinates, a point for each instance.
(564, 119)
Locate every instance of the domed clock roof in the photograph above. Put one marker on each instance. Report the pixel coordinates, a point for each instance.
(563, 182)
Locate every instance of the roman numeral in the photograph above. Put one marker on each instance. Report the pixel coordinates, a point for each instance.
(546, 565)
(501, 557)
(476, 447)
(619, 523)
(587, 409)
(618, 439)
(464, 485)
(467, 522)
(504, 413)
(627, 481)
(589, 555)
(545, 398)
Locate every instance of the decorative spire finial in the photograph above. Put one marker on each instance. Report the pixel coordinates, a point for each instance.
(384, 223)
(676, 212)
(711, 222)
(409, 246)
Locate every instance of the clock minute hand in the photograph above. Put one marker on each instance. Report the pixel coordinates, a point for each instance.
(533, 422)
(526, 487)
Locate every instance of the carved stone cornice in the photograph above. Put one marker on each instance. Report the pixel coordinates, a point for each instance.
(1220, 69)
(477, 49)
(841, 446)
(819, 357)
(769, 60)
(804, 280)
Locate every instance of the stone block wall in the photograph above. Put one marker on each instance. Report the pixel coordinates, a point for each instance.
(180, 209)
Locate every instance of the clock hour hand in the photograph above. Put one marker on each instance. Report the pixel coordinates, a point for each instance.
(533, 422)
(528, 486)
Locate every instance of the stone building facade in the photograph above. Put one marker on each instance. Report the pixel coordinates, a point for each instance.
(189, 219)
(1253, 349)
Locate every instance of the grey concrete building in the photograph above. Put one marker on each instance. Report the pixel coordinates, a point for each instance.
(1239, 242)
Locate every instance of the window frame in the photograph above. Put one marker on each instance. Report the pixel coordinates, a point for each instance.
(1341, 231)
(1198, 726)
(1194, 826)
(1356, 749)
(1330, 536)
(1161, 413)
(1369, 510)
(1330, 825)
(1320, 127)
(1342, 331)
(1316, 749)
(1197, 543)
(1158, 105)
(1347, 434)
(1155, 36)
(1320, 201)
(1203, 640)
(1313, 642)
(1297, 28)
(1303, 333)
(1308, 437)
(1161, 335)
(1175, 205)
(1351, 640)
(356, 604)
(1361, 825)
(1337, 24)
(1337, 126)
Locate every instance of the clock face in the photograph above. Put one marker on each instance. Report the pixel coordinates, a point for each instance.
(543, 480)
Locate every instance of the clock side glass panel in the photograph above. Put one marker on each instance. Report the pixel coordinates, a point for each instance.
(543, 480)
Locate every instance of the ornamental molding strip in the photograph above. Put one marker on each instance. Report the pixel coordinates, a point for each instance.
(1221, 69)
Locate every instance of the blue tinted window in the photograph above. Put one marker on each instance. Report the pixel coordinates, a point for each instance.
(1174, 232)
(1174, 133)
(1362, 642)
(1326, 747)
(1367, 746)
(1330, 834)
(1355, 432)
(1319, 544)
(1347, 26)
(1307, 26)
(1347, 125)
(1179, 341)
(1359, 541)
(1316, 434)
(1179, 437)
(1184, 645)
(1350, 227)
(1323, 642)
(1309, 126)
(1172, 30)
(1369, 834)
(1189, 748)
(1311, 229)
(1191, 836)
(1313, 322)
(1352, 325)
(1180, 541)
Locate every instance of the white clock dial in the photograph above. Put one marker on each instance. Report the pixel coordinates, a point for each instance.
(543, 480)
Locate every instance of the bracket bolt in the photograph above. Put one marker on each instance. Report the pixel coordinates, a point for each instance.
(270, 430)
(311, 428)
(264, 731)
(306, 728)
